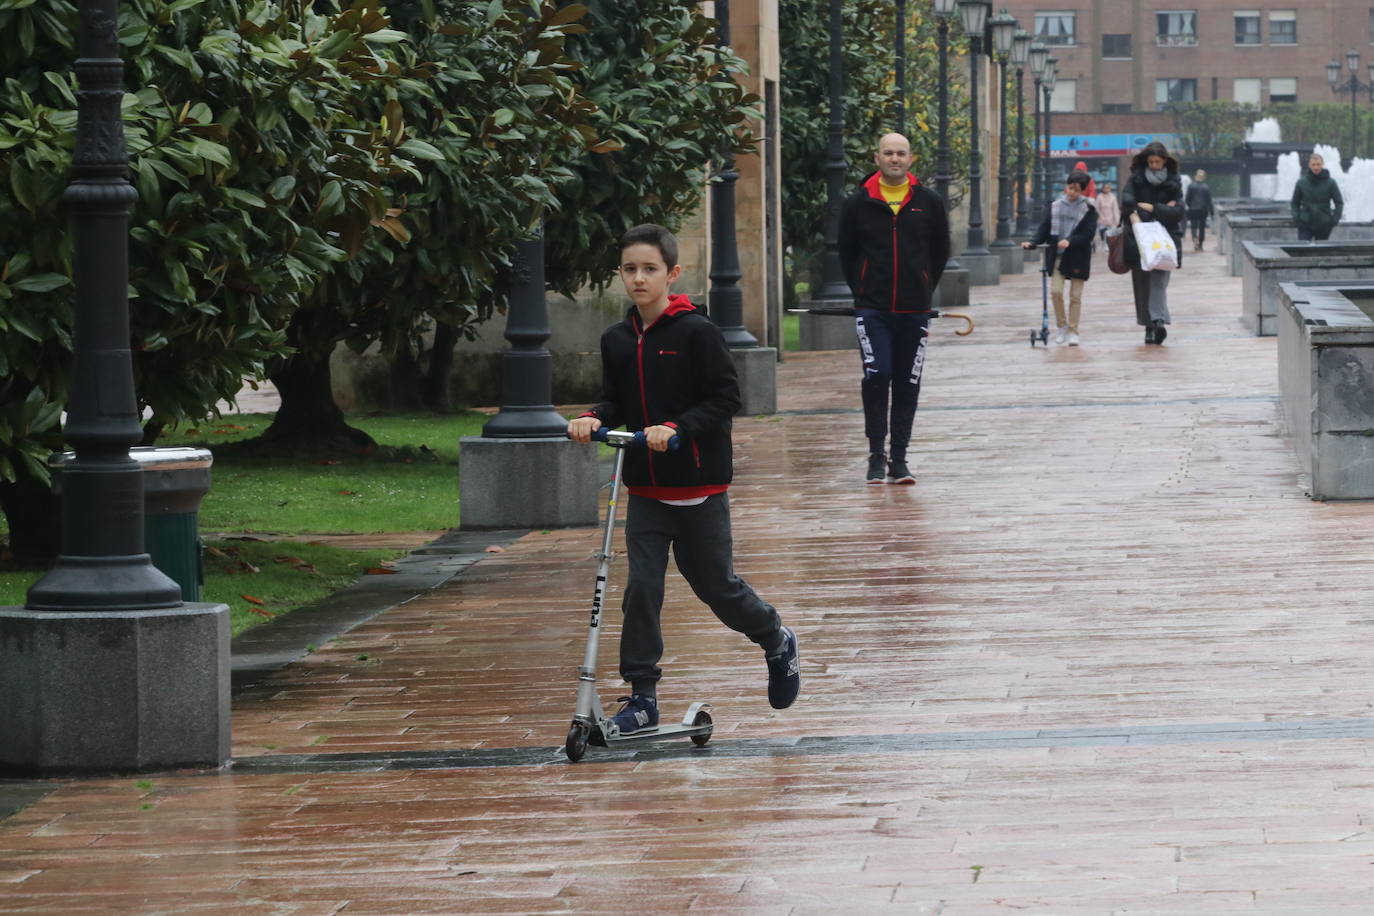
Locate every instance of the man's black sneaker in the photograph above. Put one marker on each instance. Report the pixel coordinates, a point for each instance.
(784, 672)
(640, 713)
(877, 463)
(897, 473)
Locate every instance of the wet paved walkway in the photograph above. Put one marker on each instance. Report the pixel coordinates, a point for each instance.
(1105, 657)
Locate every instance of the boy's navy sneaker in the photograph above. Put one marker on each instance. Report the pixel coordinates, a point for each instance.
(784, 672)
(640, 713)
(876, 467)
(897, 473)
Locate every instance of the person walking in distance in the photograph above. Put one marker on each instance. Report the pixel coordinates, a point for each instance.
(1067, 231)
(1197, 200)
(1317, 202)
(1153, 192)
(1108, 209)
(893, 245)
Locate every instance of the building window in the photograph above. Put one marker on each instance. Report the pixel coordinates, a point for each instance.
(1176, 28)
(1247, 27)
(1283, 27)
(1167, 91)
(1116, 107)
(1283, 89)
(1065, 96)
(1116, 47)
(1247, 91)
(1056, 27)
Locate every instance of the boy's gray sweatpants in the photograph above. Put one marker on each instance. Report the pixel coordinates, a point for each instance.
(700, 538)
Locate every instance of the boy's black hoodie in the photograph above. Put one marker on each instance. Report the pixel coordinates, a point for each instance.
(678, 372)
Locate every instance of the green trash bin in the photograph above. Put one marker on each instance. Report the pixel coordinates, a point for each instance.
(175, 480)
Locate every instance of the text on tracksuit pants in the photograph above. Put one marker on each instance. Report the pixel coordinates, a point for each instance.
(701, 542)
(893, 347)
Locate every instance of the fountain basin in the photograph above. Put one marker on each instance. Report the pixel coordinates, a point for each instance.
(1262, 227)
(1269, 264)
(1326, 383)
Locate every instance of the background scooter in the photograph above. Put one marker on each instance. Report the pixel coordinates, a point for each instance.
(590, 724)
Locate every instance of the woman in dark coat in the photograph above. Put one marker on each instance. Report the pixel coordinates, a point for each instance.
(1067, 231)
(1153, 192)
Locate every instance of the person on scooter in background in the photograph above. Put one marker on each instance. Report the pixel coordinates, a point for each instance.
(1068, 230)
(893, 245)
(666, 370)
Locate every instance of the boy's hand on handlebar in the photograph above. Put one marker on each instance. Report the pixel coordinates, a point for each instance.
(1027, 245)
(581, 429)
(1063, 243)
(657, 437)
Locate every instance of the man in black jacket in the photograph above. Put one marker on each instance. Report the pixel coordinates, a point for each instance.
(666, 370)
(893, 245)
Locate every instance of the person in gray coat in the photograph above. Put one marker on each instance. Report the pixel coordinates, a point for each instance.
(1317, 202)
(1153, 192)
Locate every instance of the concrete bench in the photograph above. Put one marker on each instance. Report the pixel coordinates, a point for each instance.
(1268, 264)
(1326, 383)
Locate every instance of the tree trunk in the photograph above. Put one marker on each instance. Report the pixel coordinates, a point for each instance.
(436, 387)
(34, 516)
(407, 381)
(308, 419)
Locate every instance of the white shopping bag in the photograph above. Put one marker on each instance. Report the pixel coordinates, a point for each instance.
(1156, 246)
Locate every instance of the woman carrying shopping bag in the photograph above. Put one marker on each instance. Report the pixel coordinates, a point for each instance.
(1153, 193)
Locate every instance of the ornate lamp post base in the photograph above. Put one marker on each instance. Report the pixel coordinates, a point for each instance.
(546, 482)
(113, 691)
(953, 288)
(827, 332)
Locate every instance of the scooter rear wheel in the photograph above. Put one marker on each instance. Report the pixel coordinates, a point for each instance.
(702, 718)
(576, 745)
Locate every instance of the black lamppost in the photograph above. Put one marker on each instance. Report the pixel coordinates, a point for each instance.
(944, 11)
(901, 67)
(102, 565)
(726, 300)
(1039, 61)
(1020, 49)
(527, 366)
(1354, 87)
(833, 285)
(974, 14)
(1003, 28)
(1047, 84)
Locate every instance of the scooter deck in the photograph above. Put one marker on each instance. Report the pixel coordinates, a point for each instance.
(650, 735)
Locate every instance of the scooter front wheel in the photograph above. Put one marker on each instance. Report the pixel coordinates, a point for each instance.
(702, 718)
(578, 736)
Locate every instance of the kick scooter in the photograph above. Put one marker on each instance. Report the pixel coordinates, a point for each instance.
(590, 725)
(1043, 335)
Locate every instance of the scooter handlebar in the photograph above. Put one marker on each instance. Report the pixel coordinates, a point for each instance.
(620, 439)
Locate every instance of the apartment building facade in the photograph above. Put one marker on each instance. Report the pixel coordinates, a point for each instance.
(1121, 62)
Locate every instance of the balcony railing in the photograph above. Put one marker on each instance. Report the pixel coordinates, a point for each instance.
(1176, 41)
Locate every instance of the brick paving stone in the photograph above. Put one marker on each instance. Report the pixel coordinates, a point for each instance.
(1108, 537)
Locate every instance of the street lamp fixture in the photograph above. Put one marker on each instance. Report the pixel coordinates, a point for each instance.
(974, 14)
(1351, 85)
(944, 8)
(1047, 81)
(1020, 51)
(1039, 59)
(1003, 27)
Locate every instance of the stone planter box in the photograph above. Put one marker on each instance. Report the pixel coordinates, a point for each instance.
(1264, 227)
(1225, 210)
(1268, 264)
(1326, 384)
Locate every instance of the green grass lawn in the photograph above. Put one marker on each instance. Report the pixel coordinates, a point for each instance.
(417, 490)
(414, 487)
